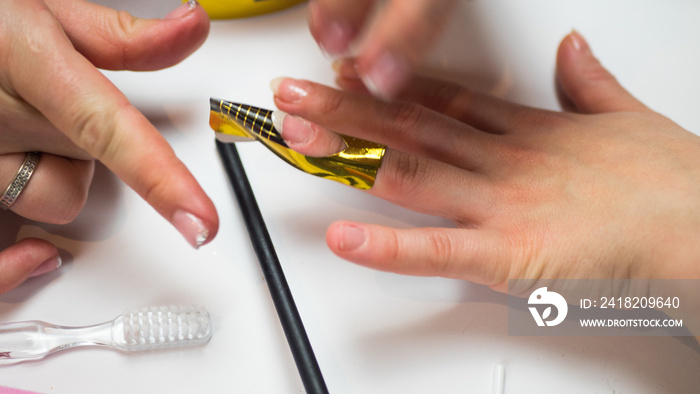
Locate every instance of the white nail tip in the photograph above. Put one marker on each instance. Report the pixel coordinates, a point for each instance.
(275, 84)
(278, 121)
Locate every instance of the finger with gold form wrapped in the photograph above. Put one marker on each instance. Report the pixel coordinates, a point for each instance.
(356, 165)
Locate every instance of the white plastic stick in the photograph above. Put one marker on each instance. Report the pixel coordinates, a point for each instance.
(499, 378)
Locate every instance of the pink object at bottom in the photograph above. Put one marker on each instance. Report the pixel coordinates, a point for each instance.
(8, 390)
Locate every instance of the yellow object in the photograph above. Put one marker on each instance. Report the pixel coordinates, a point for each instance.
(229, 9)
(356, 165)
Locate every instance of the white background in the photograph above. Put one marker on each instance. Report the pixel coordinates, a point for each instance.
(373, 332)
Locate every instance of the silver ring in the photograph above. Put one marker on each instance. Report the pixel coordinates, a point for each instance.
(25, 172)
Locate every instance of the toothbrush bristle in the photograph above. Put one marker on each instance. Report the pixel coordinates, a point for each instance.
(163, 326)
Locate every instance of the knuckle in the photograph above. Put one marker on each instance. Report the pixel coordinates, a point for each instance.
(91, 131)
(332, 102)
(392, 249)
(76, 200)
(125, 22)
(404, 118)
(74, 196)
(123, 30)
(404, 173)
(441, 251)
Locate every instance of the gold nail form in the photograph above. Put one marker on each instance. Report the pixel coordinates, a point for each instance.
(356, 165)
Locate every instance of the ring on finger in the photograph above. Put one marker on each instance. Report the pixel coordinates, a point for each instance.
(20, 181)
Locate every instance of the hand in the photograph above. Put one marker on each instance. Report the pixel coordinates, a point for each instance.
(395, 42)
(608, 191)
(54, 100)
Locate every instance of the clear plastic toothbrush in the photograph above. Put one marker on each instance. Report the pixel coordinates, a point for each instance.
(134, 330)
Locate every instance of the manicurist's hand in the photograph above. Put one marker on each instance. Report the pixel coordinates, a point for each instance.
(55, 101)
(389, 46)
(610, 190)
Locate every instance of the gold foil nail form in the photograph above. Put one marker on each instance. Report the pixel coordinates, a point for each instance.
(356, 165)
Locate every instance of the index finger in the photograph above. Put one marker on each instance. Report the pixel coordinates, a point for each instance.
(335, 24)
(97, 117)
(398, 40)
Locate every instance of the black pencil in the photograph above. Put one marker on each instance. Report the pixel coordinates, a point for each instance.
(282, 298)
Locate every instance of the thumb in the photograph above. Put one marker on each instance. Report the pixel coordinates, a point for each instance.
(25, 259)
(115, 40)
(589, 86)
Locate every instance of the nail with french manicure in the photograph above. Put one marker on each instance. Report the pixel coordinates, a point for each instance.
(50, 265)
(182, 10)
(191, 227)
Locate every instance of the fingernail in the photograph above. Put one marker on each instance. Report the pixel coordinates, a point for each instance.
(336, 38)
(385, 77)
(275, 84)
(289, 90)
(352, 238)
(579, 42)
(182, 10)
(47, 266)
(278, 118)
(191, 227)
(294, 130)
(333, 36)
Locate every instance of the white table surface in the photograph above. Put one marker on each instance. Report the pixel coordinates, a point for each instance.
(372, 332)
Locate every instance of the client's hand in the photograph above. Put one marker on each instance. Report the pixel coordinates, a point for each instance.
(54, 100)
(611, 190)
